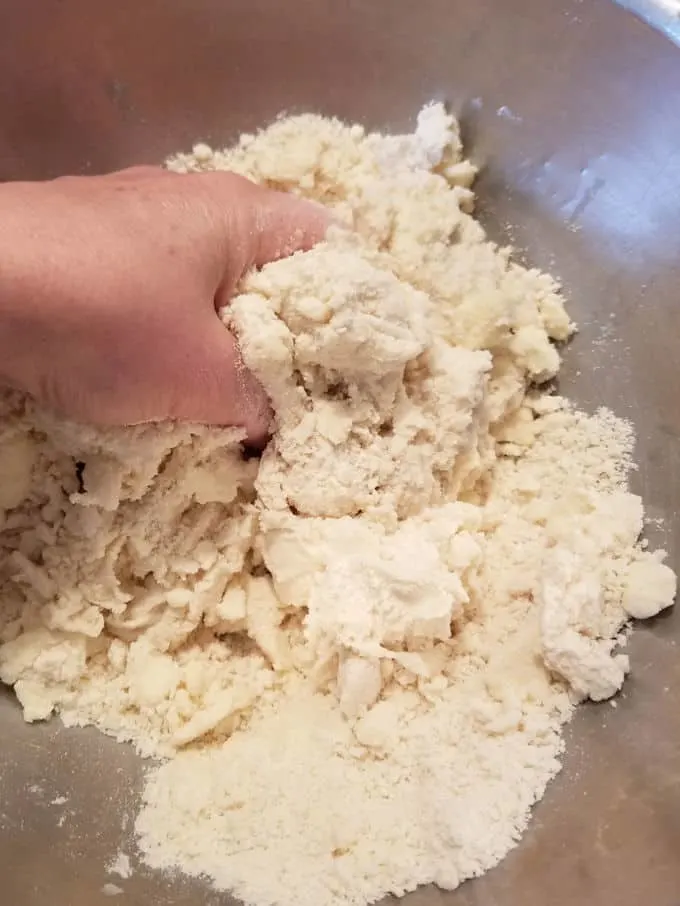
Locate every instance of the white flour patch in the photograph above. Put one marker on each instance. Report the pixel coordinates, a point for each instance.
(121, 866)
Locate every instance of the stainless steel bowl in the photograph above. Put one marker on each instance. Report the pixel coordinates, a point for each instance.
(573, 106)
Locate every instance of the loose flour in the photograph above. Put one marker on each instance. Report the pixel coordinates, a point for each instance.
(356, 654)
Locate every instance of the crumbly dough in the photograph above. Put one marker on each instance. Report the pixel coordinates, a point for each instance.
(358, 652)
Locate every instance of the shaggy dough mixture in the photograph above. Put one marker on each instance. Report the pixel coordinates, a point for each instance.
(358, 652)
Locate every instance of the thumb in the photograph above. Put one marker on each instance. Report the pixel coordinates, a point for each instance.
(218, 388)
(263, 225)
(284, 224)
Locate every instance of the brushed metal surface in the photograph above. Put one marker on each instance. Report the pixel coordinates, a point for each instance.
(572, 106)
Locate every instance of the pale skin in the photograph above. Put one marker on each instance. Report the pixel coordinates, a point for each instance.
(110, 288)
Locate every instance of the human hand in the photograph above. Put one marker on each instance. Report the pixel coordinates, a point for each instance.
(111, 287)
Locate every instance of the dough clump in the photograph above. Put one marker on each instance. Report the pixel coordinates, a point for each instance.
(350, 647)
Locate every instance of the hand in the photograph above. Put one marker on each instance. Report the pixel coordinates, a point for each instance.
(110, 287)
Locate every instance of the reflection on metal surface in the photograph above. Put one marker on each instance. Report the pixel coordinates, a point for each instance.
(584, 174)
(662, 14)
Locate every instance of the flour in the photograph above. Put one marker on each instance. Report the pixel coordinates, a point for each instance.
(121, 866)
(356, 654)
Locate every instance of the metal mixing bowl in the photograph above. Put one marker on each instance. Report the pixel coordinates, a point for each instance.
(573, 107)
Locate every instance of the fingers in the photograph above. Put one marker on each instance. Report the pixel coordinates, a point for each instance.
(262, 226)
(253, 409)
(216, 388)
(259, 226)
(139, 171)
(266, 225)
(231, 225)
(284, 224)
